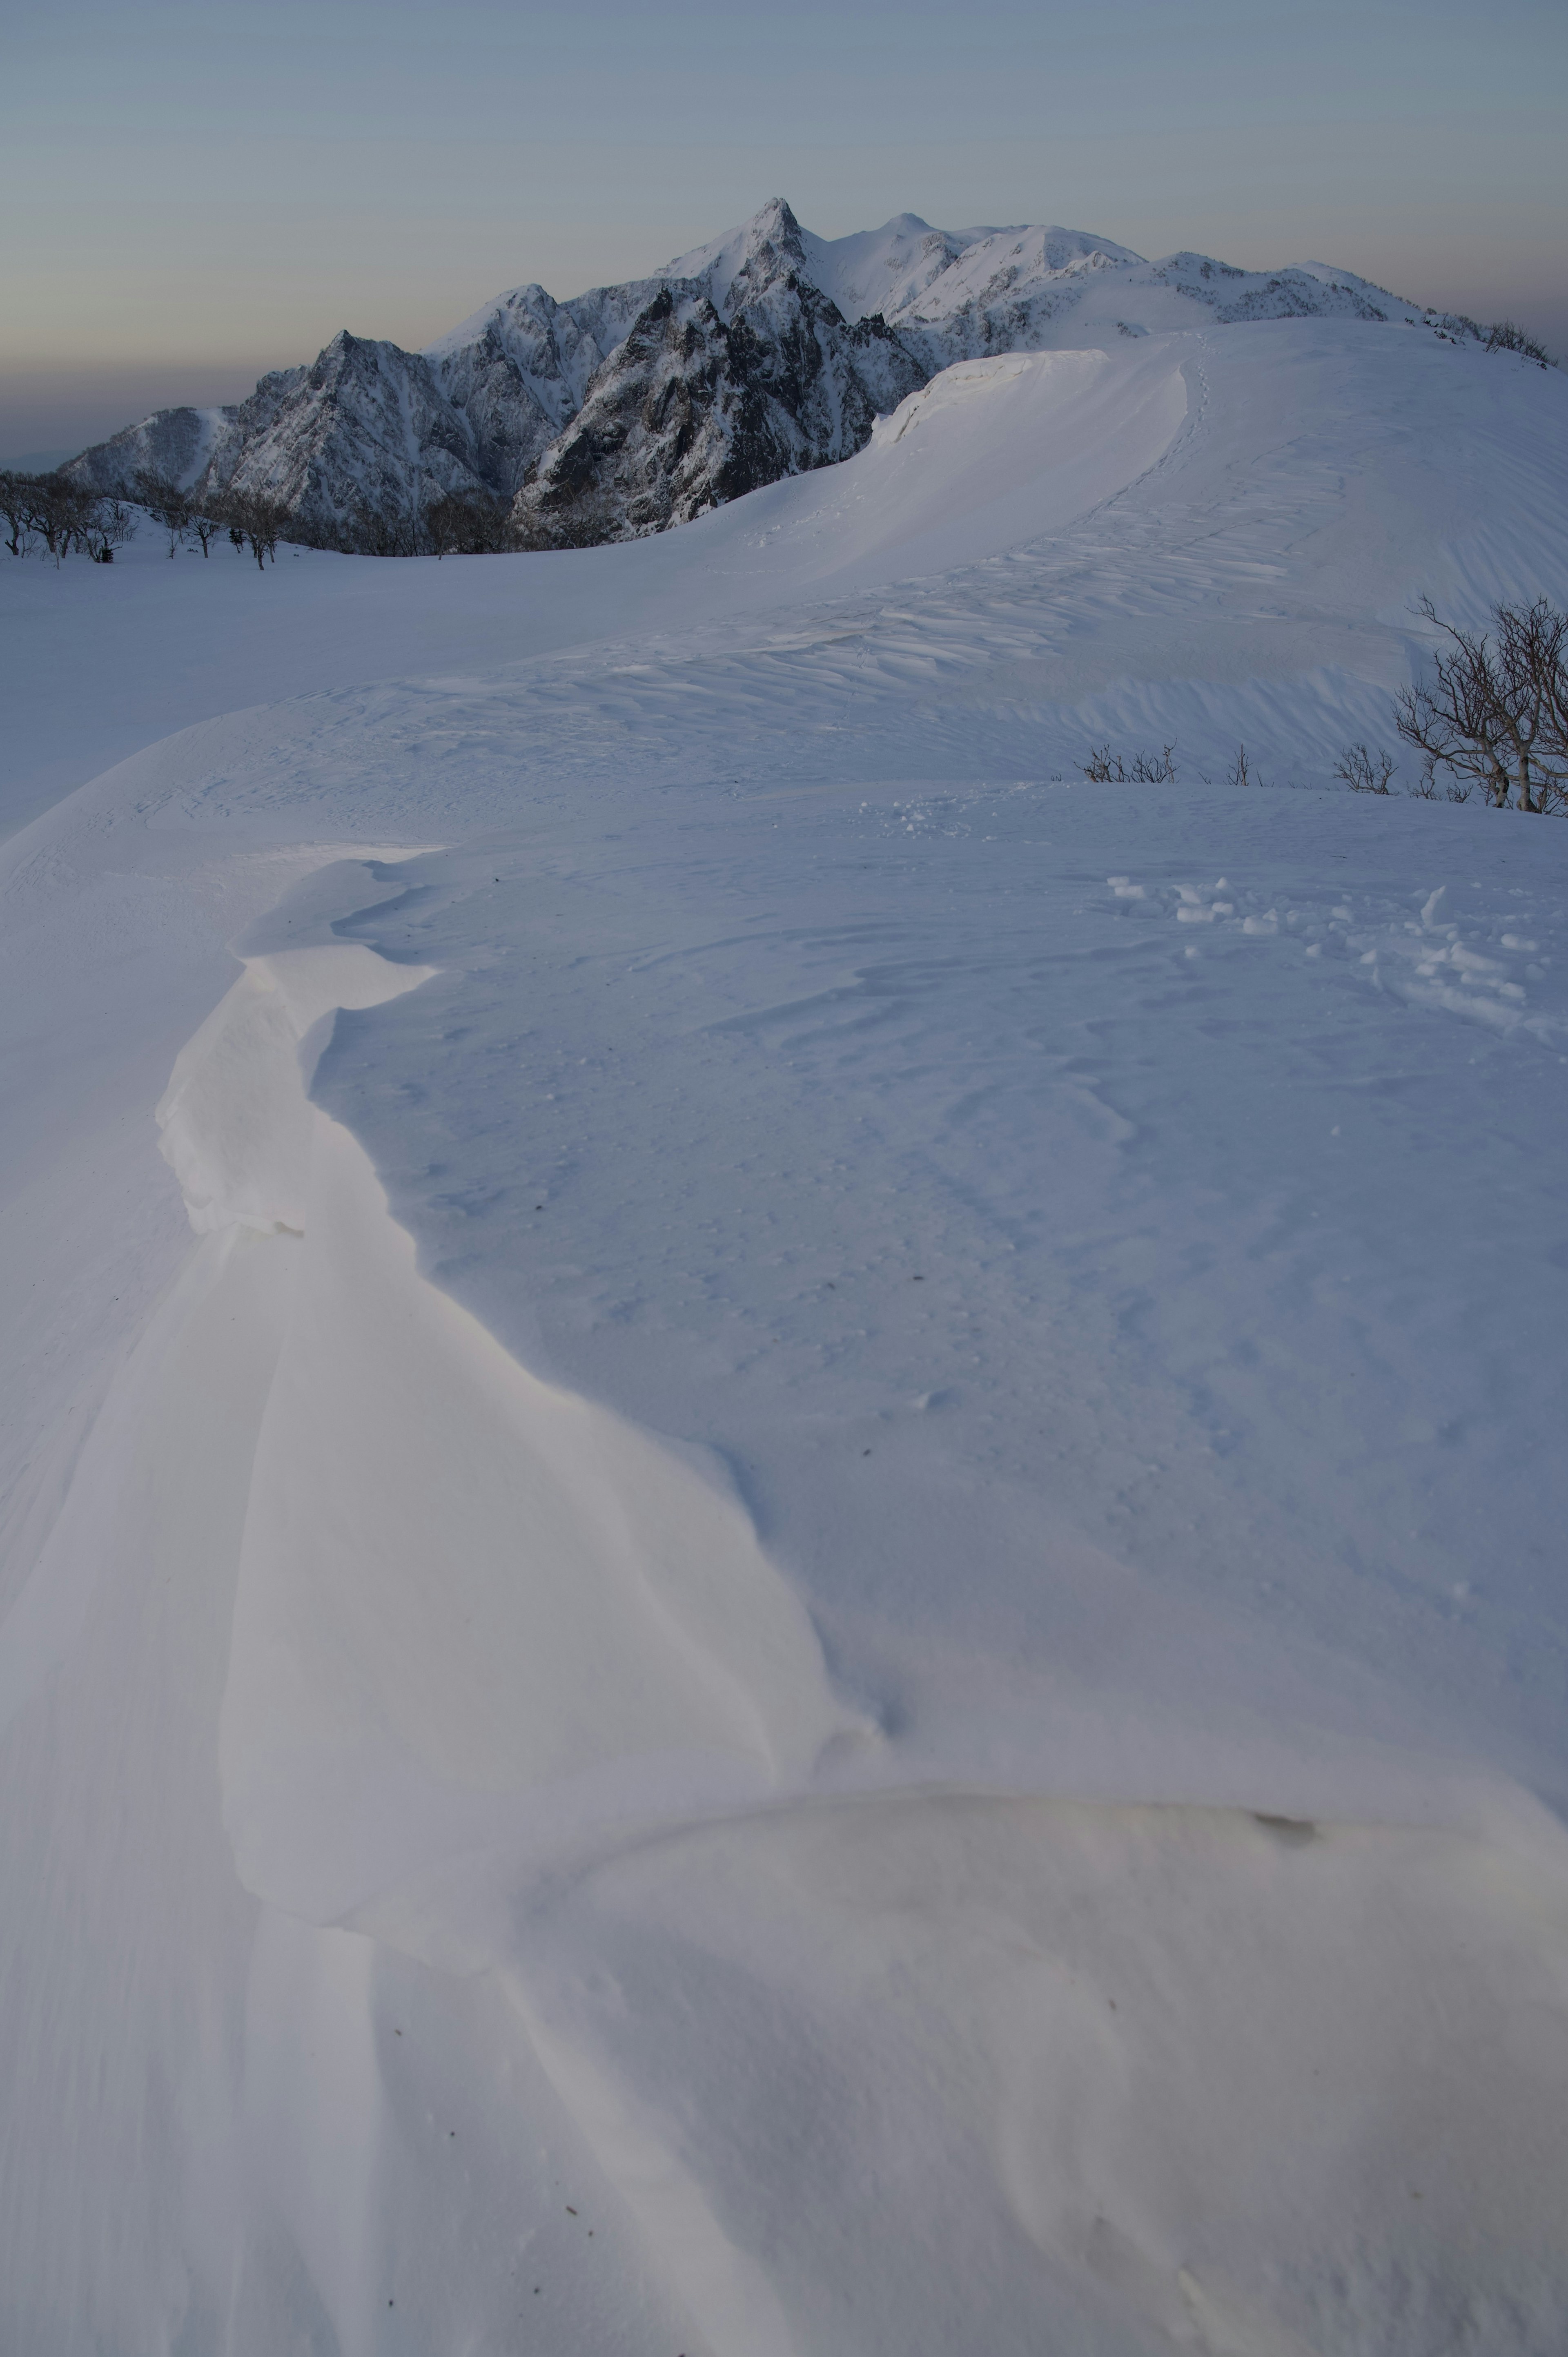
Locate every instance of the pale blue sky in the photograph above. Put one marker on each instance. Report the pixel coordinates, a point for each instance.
(195, 189)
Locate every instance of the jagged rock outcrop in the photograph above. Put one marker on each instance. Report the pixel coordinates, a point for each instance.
(634, 407)
(650, 445)
(700, 403)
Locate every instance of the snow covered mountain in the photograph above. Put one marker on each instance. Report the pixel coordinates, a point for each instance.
(765, 354)
(740, 372)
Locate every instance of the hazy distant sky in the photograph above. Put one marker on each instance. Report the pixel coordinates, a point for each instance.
(193, 190)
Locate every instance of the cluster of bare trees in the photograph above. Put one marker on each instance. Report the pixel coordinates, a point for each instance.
(453, 523)
(466, 523)
(250, 521)
(177, 514)
(64, 517)
(1502, 336)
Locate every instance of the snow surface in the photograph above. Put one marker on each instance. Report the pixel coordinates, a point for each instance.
(826, 1613)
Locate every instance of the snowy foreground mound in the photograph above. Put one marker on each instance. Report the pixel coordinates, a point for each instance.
(826, 1617)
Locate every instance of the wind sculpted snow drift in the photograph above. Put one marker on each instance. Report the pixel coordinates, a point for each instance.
(826, 1618)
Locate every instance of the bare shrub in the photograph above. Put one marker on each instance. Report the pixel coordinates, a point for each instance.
(1504, 336)
(1495, 715)
(1425, 789)
(1364, 771)
(1104, 767)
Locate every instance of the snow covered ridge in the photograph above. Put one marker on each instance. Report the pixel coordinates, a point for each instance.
(630, 408)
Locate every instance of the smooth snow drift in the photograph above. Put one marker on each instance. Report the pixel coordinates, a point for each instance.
(991, 452)
(825, 1614)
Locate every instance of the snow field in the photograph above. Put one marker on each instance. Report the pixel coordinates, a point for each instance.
(773, 1973)
(842, 1553)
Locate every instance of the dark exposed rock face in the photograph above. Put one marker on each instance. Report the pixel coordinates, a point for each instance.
(634, 407)
(645, 447)
(696, 407)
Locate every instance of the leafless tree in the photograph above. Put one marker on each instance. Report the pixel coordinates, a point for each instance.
(107, 525)
(266, 521)
(1495, 715)
(69, 517)
(1240, 773)
(1364, 771)
(205, 527)
(59, 511)
(18, 512)
(167, 504)
(254, 521)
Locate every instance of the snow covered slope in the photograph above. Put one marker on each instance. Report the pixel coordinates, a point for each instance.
(825, 1615)
(764, 353)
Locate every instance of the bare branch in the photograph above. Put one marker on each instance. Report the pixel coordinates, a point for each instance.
(1491, 716)
(1364, 771)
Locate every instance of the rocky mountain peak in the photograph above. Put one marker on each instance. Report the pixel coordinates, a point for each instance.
(769, 351)
(767, 248)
